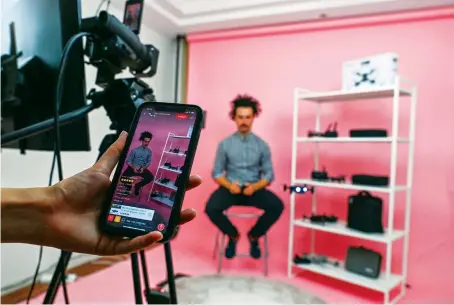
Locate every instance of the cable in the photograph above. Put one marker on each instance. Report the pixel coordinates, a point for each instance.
(57, 150)
(100, 6)
(41, 248)
(59, 97)
(35, 277)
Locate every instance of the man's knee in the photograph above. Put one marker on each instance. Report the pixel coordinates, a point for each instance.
(213, 204)
(147, 175)
(276, 205)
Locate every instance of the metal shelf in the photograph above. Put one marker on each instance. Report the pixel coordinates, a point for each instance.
(357, 95)
(341, 228)
(387, 281)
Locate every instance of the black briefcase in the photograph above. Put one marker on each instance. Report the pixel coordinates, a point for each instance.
(363, 262)
(365, 213)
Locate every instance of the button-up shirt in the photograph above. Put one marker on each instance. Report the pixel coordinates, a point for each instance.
(140, 157)
(245, 159)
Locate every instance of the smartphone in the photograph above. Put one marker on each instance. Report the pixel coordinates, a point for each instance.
(150, 181)
(133, 15)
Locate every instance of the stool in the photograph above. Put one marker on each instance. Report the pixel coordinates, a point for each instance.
(221, 247)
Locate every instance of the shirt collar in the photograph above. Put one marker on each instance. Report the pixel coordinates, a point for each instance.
(244, 137)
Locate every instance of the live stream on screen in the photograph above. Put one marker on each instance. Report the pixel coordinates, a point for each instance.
(132, 16)
(145, 193)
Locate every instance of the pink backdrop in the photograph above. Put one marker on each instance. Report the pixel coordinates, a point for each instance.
(269, 67)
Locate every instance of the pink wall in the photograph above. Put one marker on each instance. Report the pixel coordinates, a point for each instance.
(269, 66)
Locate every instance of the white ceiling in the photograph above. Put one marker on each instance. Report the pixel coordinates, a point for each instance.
(189, 16)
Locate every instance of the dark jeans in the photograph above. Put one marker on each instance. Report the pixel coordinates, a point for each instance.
(146, 175)
(262, 199)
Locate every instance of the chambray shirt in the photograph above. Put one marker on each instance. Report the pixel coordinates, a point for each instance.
(243, 159)
(140, 157)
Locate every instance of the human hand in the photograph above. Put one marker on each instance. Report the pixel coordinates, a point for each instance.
(249, 189)
(235, 188)
(73, 221)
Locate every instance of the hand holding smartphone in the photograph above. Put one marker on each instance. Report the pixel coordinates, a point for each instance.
(150, 199)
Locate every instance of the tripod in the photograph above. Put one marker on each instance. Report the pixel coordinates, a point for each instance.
(152, 296)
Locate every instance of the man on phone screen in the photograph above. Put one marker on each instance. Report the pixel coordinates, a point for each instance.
(243, 171)
(138, 161)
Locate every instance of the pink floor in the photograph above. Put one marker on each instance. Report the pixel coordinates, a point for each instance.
(434, 284)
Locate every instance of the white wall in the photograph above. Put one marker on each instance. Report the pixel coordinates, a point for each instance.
(18, 262)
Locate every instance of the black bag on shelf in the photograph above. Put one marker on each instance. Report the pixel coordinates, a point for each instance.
(363, 262)
(365, 213)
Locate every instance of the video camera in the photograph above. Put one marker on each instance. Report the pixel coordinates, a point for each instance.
(111, 46)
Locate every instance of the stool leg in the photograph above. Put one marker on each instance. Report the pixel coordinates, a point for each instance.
(221, 253)
(265, 257)
(216, 245)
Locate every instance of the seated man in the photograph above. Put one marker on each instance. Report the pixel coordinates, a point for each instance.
(138, 161)
(243, 170)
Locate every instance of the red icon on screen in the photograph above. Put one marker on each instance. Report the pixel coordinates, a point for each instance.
(161, 226)
(110, 218)
(182, 116)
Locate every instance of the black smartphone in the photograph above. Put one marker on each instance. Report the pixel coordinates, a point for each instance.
(153, 172)
(133, 15)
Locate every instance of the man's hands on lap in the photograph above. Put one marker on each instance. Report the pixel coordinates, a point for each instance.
(249, 189)
(235, 188)
(73, 220)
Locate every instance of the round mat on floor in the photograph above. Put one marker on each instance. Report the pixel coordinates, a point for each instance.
(239, 289)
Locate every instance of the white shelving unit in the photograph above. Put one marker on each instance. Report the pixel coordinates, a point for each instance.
(167, 151)
(387, 280)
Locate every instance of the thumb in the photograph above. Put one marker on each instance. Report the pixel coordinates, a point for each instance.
(110, 158)
(138, 243)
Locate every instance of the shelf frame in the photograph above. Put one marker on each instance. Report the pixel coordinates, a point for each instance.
(402, 88)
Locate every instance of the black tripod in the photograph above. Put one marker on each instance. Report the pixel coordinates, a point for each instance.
(152, 296)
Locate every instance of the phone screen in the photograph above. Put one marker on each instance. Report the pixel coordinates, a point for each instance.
(145, 192)
(132, 16)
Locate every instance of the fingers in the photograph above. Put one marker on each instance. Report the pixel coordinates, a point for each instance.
(136, 244)
(109, 159)
(186, 216)
(194, 181)
(145, 241)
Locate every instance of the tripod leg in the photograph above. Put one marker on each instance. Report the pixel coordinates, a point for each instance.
(143, 262)
(136, 278)
(57, 277)
(170, 274)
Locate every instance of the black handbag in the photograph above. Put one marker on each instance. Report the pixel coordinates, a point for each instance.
(365, 213)
(363, 262)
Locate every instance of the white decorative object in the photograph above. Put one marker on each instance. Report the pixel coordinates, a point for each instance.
(375, 71)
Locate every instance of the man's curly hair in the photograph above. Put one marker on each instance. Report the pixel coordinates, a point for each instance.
(146, 135)
(245, 101)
